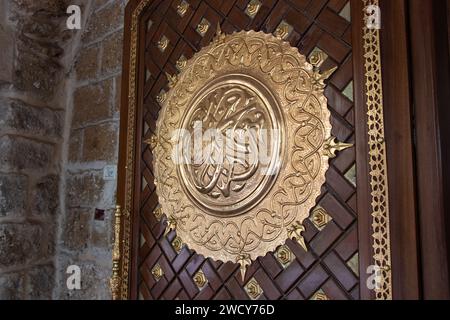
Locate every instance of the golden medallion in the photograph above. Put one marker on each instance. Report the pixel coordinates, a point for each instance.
(242, 146)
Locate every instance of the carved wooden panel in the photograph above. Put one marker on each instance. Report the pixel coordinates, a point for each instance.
(174, 31)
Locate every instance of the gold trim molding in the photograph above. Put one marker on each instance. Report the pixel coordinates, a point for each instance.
(120, 280)
(377, 156)
(116, 279)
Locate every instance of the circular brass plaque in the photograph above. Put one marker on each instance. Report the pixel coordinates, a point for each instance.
(233, 103)
(262, 97)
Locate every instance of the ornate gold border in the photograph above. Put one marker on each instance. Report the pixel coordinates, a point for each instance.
(377, 157)
(377, 160)
(298, 103)
(122, 241)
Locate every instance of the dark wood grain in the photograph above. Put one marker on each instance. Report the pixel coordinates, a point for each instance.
(399, 141)
(430, 83)
(122, 163)
(362, 151)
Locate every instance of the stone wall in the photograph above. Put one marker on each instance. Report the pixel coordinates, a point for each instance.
(93, 130)
(31, 138)
(59, 125)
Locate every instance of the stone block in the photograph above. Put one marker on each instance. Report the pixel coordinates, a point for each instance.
(76, 231)
(87, 63)
(13, 195)
(102, 232)
(37, 75)
(11, 286)
(102, 22)
(8, 43)
(42, 25)
(85, 189)
(41, 281)
(24, 154)
(46, 196)
(112, 53)
(94, 282)
(18, 116)
(54, 6)
(75, 142)
(100, 143)
(41, 48)
(20, 244)
(92, 103)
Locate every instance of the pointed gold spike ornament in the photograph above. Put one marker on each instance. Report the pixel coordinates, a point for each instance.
(295, 233)
(172, 80)
(219, 37)
(332, 147)
(244, 261)
(171, 225)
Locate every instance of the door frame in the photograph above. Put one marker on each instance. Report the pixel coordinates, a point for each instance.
(430, 83)
(400, 151)
(400, 217)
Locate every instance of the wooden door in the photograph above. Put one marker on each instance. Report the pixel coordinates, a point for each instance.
(348, 230)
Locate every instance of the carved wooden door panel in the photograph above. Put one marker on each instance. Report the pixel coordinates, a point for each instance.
(168, 33)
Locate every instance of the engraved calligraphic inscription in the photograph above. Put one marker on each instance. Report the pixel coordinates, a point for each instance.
(239, 106)
(243, 144)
